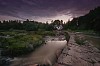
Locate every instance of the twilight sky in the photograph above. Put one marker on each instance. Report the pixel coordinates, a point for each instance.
(45, 10)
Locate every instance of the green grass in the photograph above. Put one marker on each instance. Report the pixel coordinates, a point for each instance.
(20, 43)
(46, 33)
(80, 41)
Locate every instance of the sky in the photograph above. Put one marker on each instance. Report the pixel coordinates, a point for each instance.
(45, 10)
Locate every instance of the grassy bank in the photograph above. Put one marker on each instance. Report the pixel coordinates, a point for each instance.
(19, 43)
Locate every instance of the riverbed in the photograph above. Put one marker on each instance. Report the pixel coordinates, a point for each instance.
(46, 54)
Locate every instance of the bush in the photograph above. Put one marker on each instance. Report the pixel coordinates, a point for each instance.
(80, 40)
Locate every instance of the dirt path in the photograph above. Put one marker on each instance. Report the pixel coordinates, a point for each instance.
(79, 55)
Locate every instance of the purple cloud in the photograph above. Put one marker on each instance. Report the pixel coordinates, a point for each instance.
(46, 8)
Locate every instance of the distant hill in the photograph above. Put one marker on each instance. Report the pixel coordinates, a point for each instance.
(90, 21)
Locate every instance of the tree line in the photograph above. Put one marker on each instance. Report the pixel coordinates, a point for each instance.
(28, 25)
(90, 21)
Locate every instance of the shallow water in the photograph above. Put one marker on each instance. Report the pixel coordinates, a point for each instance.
(45, 54)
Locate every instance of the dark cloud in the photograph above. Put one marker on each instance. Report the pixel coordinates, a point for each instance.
(46, 8)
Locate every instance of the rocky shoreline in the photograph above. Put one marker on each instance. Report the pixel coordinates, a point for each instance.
(79, 55)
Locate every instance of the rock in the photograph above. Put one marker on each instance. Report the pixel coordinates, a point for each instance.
(34, 65)
(97, 64)
(84, 55)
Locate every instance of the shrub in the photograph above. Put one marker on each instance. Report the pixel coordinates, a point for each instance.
(80, 40)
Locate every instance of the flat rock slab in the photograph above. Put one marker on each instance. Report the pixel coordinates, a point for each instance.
(79, 55)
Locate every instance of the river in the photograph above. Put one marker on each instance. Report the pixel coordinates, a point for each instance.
(46, 54)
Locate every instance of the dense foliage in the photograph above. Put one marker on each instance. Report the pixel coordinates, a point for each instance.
(90, 21)
(28, 25)
(24, 25)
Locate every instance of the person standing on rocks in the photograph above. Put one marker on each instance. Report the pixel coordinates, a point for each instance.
(67, 37)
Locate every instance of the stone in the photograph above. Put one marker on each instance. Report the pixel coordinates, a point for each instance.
(79, 55)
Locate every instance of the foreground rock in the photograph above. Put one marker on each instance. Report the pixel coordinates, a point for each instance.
(79, 55)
